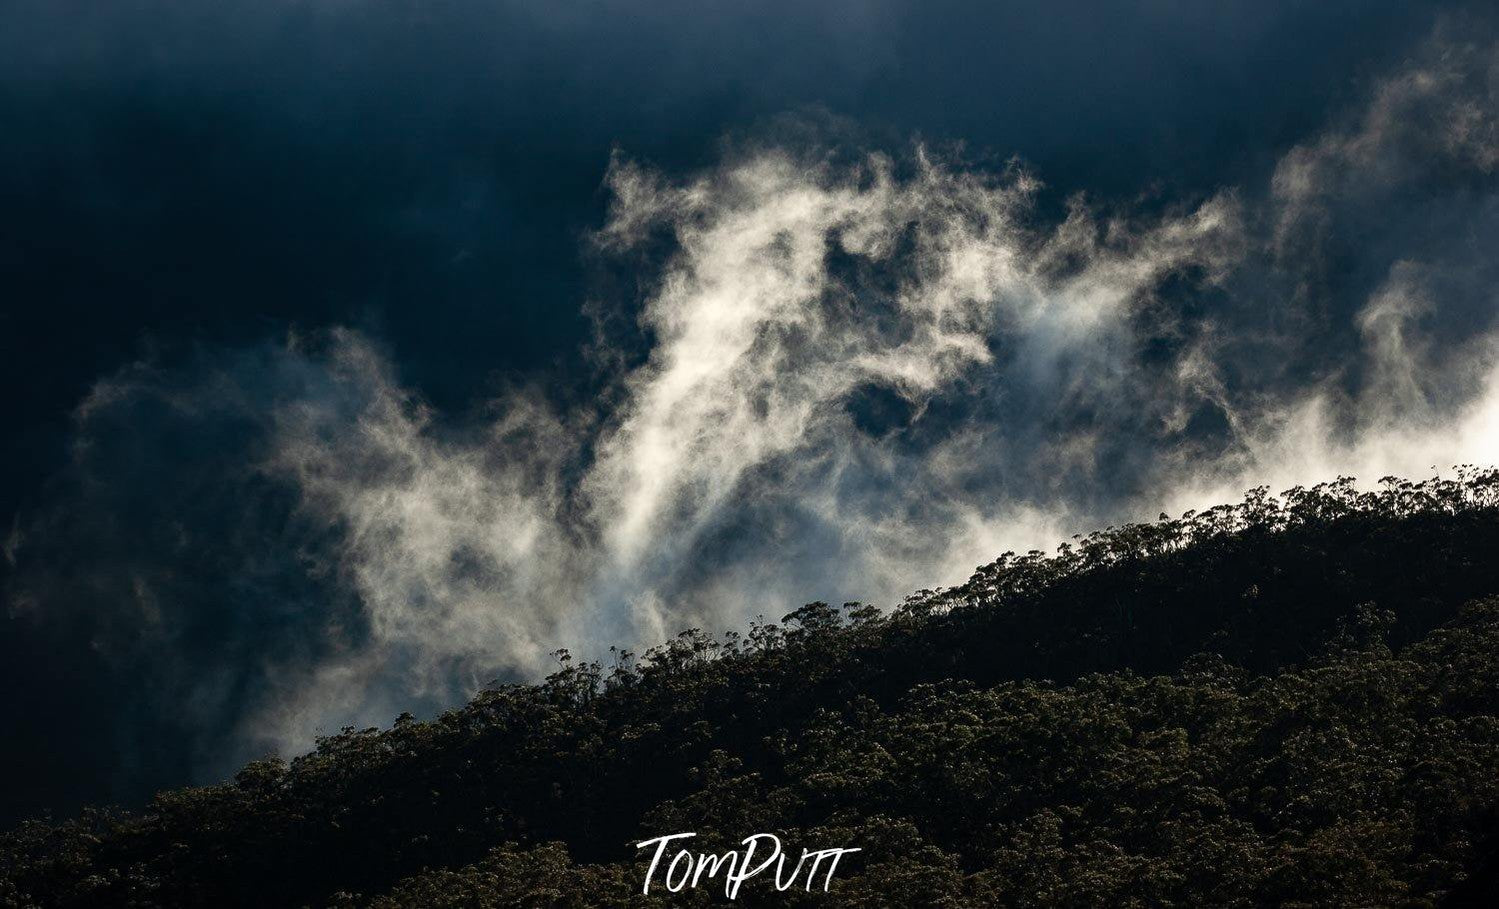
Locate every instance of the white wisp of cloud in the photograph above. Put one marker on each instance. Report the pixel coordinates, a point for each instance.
(861, 378)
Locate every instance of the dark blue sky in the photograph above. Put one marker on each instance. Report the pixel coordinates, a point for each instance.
(182, 172)
(185, 182)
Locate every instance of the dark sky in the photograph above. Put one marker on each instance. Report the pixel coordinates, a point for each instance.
(185, 182)
(181, 172)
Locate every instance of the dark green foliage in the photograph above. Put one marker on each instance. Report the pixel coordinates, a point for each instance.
(1281, 702)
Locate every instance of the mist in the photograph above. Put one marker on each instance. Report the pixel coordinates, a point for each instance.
(811, 363)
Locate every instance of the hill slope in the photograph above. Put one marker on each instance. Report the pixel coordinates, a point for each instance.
(1285, 701)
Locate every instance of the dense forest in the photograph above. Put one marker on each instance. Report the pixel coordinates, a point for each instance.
(1289, 701)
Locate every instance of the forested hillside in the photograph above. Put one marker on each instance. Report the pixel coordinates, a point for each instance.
(1293, 700)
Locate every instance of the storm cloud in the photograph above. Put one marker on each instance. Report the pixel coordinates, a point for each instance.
(803, 359)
